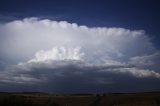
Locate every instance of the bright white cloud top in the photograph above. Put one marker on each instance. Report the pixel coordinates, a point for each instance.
(23, 38)
(61, 50)
(58, 54)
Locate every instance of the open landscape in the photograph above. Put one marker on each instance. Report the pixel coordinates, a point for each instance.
(108, 99)
(79, 52)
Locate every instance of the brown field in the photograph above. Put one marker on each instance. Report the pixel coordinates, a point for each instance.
(113, 99)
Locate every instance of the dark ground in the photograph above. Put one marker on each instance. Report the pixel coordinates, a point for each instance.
(112, 99)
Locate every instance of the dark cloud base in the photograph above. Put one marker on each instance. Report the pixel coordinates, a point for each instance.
(78, 78)
(128, 86)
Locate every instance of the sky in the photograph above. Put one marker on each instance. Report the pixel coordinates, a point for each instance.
(79, 46)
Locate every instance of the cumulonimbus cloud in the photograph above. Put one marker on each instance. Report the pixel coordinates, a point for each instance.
(21, 39)
(52, 52)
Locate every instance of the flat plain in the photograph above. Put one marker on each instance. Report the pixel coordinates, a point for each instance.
(106, 99)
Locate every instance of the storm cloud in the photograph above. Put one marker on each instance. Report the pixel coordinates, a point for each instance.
(21, 39)
(62, 57)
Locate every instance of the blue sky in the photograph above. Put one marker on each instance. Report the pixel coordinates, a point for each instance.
(113, 45)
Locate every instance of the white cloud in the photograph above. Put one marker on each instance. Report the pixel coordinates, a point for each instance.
(21, 39)
(142, 73)
(54, 52)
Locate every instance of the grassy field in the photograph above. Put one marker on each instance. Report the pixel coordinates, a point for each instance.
(115, 99)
